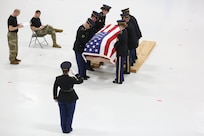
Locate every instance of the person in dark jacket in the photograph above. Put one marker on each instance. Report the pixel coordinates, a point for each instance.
(121, 51)
(82, 37)
(100, 23)
(94, 17)
(132, 42)
(67, 96)
(133, 20)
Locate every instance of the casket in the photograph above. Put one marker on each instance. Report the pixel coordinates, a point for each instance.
(100, 47)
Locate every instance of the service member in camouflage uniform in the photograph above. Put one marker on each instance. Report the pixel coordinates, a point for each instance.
(13, 36)
(42, 30)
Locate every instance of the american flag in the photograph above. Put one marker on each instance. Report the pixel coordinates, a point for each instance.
(102, 43)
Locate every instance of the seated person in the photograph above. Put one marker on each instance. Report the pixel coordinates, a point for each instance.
(42, 30)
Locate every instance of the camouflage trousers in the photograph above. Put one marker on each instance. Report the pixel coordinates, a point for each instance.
(48, 30)
(13, 45)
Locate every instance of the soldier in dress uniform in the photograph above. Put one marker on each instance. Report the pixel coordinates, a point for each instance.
(133, 20)
(132, 41)
(43, 30)
(94, 17)
(100, 23)
(67, 96)
(82, 38)
(121, 51)
(12, 36)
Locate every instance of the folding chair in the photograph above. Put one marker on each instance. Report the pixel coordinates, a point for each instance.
(34, 38)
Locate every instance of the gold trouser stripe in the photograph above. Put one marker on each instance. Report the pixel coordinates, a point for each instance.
(128, 62)
(119, 68)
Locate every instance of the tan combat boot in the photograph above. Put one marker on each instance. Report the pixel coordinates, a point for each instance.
(14, 62)
(17, 60)
(58, 30)
(56, 46)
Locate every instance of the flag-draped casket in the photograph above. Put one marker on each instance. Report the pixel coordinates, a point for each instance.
(101, 45)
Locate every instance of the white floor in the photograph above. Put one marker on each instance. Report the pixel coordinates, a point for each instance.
(165, 98)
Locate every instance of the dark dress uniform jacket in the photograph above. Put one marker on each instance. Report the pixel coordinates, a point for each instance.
(137, 29)
(101, 22)
(65, 82)
(82, 38)
(97, 27)
(121, 44)
(91, 32)
(132, 36)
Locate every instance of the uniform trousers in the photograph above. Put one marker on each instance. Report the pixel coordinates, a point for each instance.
(66, 115)
(132, 56)
(47, 30)
(127, 63)
(135, 55)
(13, 45)
(81, 64)
(135, 52)
(120, 69)
(88, 64)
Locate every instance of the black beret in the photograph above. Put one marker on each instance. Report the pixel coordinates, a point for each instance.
(125, 10)
(90, 22)
(106, 7)
(66, 65)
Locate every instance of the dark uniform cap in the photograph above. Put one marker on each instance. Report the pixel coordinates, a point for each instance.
(66, 65)
(125, 15)
(106, 7)
(125, 10)
(122, 22)
(96, 14)
(90, 22)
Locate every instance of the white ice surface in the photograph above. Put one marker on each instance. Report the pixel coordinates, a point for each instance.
(165, 98)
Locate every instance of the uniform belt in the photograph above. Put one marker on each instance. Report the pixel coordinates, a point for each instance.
(12, 32)
(67, 90)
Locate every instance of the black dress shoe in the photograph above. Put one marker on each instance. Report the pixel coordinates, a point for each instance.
(126, 72)
(90, 68)
(117, 82)
(68, 131)
(85, 78)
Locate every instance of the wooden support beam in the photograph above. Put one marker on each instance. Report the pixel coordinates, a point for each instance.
(143, 51)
